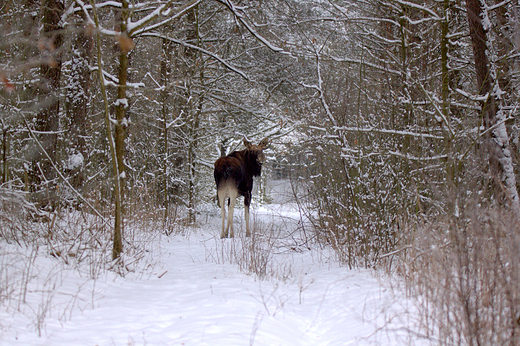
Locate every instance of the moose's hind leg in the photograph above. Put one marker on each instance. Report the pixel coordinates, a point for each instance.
(232, 200)
(227, 190)
(247, 203)
(223, 233)
(246, 215)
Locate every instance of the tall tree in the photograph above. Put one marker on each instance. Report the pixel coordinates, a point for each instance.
(496, 139)
(121, 104)
(165, 80)
(47, 120)
(125, 32)
(195, 98)
(77, 97)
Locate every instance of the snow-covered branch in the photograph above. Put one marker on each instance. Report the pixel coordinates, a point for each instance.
(418, 7)
(239, 15)
(389, 132)
(415, 158)
(202, 50)
(136, 28)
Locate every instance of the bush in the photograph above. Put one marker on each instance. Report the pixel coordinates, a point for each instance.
(465, 273)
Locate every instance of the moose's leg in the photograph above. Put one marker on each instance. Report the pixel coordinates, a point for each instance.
(246, 212)
(227, 190)
(232, 201)
(247, 203)
(222, 202)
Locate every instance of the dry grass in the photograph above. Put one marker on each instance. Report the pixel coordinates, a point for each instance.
(37, 249)
(261, 255)
(464, 273)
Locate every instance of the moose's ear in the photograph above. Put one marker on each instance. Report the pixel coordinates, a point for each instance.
(247, 143)
(264, 144)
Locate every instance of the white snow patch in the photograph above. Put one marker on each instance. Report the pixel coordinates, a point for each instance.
(74, 161)
(121, 102)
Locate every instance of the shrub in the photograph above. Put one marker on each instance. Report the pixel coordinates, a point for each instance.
(465, 273)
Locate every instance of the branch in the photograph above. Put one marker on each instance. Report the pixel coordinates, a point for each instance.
(415, 158)
(32, 134)
(251, 30)
(388, 254)
(161, 10)
(418, 7)
(440, 116)
(91, 21)
(202, 50)
(386, 131)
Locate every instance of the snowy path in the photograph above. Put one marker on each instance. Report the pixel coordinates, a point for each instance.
(188, 299)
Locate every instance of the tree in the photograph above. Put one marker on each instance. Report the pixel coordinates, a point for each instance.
(496, 139)
(125, 33)
(47, 121)
(77, 99)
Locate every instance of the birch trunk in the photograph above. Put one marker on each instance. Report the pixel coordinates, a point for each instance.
(496, 140)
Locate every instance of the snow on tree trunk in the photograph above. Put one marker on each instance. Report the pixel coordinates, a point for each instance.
(125, 45)
(77, 102)
(47, 120)
(496, 139)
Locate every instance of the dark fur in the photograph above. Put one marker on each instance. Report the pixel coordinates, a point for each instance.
(238, 169)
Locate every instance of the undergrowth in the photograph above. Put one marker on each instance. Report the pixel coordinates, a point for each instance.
(463, 272)
(39, 250)
(267, 254)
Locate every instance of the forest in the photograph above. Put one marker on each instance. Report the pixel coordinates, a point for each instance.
(396, 124)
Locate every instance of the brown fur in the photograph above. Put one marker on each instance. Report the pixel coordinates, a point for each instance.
(234, 177)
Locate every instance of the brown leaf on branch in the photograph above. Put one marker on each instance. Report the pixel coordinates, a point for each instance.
(46, 44)
(9, 87)
(90, 29)
(126, 43)
(50, 61)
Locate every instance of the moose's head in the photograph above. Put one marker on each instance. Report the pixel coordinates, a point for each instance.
(258, 150)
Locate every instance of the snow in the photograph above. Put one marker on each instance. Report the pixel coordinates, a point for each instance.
(121, 102)
(191, 291)
(74, 161)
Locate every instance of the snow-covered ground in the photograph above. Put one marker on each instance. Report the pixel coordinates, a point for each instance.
(193, 290)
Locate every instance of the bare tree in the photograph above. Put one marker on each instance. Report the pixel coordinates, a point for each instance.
(496, 139)
(47, 120)
(125, 33)
(77, 99)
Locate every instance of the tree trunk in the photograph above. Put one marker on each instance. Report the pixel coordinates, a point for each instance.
(496, 141)
(125, 45)
(167, 48)
(194, 109)
(77, 101)
(445, 94)
(47, 120)
(5, 154)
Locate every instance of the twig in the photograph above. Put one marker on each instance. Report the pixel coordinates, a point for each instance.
(60, 174)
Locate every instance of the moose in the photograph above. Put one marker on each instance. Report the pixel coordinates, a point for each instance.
(234, 177)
